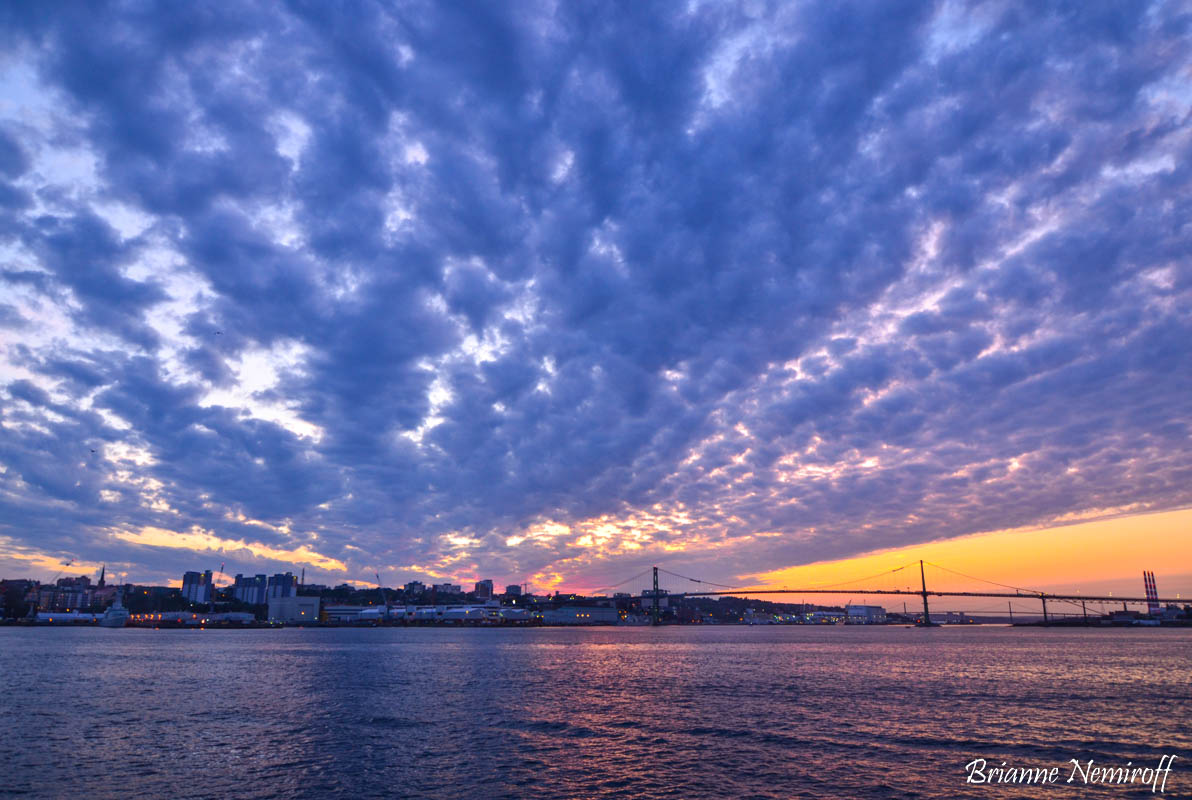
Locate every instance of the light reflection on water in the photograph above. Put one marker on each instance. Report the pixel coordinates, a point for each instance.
(617, 712)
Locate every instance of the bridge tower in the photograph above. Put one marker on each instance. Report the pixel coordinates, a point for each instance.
(655, 615)
(923, 582)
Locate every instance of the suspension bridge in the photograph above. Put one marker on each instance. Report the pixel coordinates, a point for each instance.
(1151, 599)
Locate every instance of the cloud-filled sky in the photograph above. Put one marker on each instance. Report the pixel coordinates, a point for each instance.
(553, 291)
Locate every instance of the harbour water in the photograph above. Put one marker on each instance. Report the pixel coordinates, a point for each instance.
(690, 712)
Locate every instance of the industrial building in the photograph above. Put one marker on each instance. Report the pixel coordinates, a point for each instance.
(252, 590)
(581, 615)
(293, 609)
(865, 615)
(197, 587)
(282, 585)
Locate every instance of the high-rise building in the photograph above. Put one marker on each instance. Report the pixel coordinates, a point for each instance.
(513, 590)
(484, 589)
(448, 588)
(415, 587)
(252, 590)
(197, 587)
(283, 585)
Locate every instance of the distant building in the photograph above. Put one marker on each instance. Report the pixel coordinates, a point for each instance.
(293, 609)
(252, 590)
(68, 593)
(415, 587)
(581, 615)
(513, 590)
(282, 585)
(865, 615)
(484, 589)
(197, 587)
(17, 593)
(448, 588)
(45, 597)
(345, 613)
(648, 598)
(70, 598)
(103, 595)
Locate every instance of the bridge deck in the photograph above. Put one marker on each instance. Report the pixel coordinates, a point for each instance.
(929, 593)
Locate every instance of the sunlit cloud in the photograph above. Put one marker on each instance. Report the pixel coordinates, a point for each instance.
(199, 541)
(528, 311)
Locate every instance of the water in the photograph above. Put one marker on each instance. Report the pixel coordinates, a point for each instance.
(692, 712)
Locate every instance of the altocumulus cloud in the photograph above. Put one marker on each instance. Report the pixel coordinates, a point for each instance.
(550, 290)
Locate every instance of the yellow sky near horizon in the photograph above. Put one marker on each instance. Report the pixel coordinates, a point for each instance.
(1096, 557)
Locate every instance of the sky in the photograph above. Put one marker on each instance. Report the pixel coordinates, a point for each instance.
(551, 292)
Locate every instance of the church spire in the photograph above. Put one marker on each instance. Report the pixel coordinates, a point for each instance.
(101, 571)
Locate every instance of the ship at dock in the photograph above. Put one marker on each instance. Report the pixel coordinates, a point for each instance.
(116, 616)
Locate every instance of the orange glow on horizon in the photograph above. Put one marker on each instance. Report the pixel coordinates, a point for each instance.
(1098, 557)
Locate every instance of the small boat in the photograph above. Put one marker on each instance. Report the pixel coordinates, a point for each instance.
(116, 616)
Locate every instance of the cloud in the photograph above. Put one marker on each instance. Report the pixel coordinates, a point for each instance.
(546, 292)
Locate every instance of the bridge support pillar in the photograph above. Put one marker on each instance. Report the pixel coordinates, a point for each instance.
(923, 581)
(655, 615)
(1044, 598)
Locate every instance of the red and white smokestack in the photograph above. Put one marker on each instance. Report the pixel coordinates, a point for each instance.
(1152, 592)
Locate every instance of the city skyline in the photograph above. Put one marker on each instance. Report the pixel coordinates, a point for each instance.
(1090, 552)
(447, 297)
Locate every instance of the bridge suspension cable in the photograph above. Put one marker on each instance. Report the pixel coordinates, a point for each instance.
(982, 580)
(747, 589)
(622, 583)
(881, 574)
(1029, 592)
(697, 580)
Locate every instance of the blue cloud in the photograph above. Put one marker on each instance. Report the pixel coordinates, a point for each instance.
(402, 286)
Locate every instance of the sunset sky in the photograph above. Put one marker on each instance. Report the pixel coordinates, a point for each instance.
(781, 293)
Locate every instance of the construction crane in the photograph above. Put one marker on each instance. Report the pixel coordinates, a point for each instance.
(54, 580)
(35, 607)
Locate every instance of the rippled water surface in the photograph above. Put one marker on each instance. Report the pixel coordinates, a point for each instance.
(715, 712)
